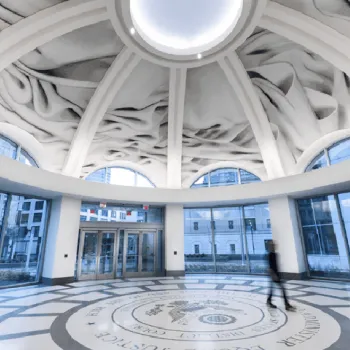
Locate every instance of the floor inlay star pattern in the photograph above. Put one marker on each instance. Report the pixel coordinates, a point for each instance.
(195, 313)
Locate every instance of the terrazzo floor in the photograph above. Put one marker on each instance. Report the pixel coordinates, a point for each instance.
(196, 312)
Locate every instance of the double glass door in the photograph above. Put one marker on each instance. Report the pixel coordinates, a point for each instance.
(107, 254)
(97, 255)
(139, 253)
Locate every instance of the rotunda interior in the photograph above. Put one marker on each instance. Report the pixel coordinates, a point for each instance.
(152, 151)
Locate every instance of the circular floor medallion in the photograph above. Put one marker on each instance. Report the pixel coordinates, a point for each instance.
(199, 319)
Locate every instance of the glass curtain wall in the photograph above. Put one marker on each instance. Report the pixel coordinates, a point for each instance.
(22, 232)
(225, 177)
(335, 154)
(11, 150)
(325, 231)
(120, 176)
(115, 213)
(227, 240)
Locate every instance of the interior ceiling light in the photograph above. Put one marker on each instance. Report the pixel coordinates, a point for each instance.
(185, 27)
(132, 31)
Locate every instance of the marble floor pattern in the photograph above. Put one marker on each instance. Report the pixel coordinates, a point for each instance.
(192, 313)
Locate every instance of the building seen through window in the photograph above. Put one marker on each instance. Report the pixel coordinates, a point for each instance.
(326, 232)
(230, 239)
(11, 150)
(225, 177)
(22, 226)
(115, 213)
(119, 176)
(335, 154)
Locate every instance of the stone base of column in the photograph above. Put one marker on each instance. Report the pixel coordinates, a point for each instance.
(57, 281)
(175, 273)
(294, 276)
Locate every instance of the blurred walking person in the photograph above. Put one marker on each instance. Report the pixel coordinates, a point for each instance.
(276, 278)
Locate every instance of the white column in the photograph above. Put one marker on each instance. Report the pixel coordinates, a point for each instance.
(174, 240)
(62, 240)
(177, 89)
(285, 232)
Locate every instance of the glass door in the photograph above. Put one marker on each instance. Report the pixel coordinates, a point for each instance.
(97, 255)
(139, 254)
(88, 255)
(107, 261)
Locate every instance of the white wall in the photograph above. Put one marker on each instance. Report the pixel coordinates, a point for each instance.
(19, 178)
(174, 239)
(62, 238)
(285, 232)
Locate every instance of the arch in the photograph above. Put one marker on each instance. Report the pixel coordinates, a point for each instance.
(155, 174)
(258, 171)
(322, 144)
(236, 175)
(112, 174)
(27, 142)
(16, 151)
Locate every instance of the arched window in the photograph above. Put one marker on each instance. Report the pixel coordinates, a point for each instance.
(119, 176)
(335, 154)
(11, 150)
(225, 177)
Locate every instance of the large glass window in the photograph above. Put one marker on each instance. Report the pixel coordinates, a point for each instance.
(22, 227)
(11, 150)
(7, 148)
(112, 213)
(324, 234)
(319, 162)
(21, 238)
(225, 177)
(227, 240)
(337, 153)
(120, 176)
(199, 245)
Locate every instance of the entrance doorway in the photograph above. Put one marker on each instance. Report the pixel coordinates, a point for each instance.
(140, 253)
(97, 255)
(124, 252)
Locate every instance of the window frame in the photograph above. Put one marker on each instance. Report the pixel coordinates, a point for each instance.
(20, 151)
(209, 174)
(325, 152)
(135, 173)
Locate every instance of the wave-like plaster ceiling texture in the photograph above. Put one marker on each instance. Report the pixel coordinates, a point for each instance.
(293, 94)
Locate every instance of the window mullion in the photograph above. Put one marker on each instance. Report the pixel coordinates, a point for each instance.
(239, 176)
(327, 157)
(18, 153)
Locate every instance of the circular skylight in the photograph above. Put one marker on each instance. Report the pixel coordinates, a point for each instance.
(185, 27)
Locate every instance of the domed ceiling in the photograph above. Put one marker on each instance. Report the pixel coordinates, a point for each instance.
(91, 94)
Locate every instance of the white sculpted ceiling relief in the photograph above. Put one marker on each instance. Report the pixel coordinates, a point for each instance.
(47, 91)
(297, 88)
(11, 11)
(215, 127)
(333, 13)
(135, 127)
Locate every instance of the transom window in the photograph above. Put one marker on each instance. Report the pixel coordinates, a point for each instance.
(225, 177)
(335, 154)
(11, 150)
(120, 176)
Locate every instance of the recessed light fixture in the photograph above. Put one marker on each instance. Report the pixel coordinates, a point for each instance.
(199, 56)
(132, 31)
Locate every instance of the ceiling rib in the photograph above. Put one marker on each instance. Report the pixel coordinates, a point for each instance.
(112, 82)
(304, 30)
(177, 88)
(44, 26)
(255, 113)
